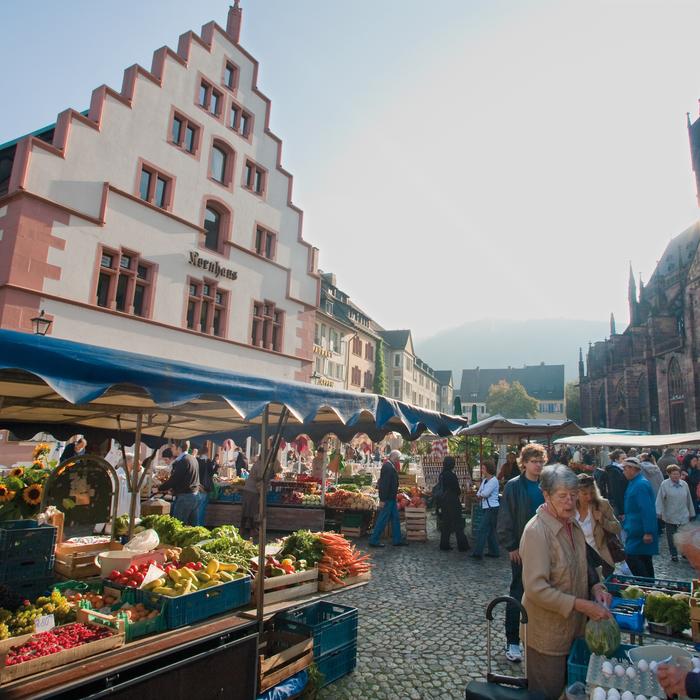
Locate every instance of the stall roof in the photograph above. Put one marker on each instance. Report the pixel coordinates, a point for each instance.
(515, 428)
(59, 385)
(617, 440)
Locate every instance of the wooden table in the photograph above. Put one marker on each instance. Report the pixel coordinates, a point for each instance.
(280, 518)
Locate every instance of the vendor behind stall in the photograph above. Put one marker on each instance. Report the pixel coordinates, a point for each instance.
(318, 464)
(183, 482)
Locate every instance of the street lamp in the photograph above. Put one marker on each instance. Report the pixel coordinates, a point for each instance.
(315, 376)
(41, 324)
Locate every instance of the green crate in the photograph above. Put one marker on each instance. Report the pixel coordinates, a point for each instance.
(142, 628)
(352, 519)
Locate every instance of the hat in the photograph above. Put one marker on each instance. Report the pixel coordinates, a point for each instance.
(633, 462)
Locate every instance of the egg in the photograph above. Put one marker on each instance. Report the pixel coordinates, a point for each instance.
(598, 694)
(627, 695)
(652, 666)
(653, 697)
(607, 668)
(631, 672)
(613, 694)
(641, 697)
(643, 665)
(619, 670)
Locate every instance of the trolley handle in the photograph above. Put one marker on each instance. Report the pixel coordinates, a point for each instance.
(506, 599)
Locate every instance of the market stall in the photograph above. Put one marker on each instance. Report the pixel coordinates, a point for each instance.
(63, 387)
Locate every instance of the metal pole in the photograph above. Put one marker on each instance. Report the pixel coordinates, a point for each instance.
(133, 479)
(262, 526)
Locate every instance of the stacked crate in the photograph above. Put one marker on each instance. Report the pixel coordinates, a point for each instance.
(416, 524)
(26, 556)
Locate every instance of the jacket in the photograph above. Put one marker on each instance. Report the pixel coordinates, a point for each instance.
(607, 523)
(555, 573)
(388, 483)
(615, 488)
(514, 513)
(653, 475)
(640, 517)
(674, 504)
(450, 487)
(184, 476)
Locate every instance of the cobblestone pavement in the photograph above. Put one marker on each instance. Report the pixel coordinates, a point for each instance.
(422, 626)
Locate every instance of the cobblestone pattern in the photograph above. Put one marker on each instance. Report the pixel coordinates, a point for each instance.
(422, 625)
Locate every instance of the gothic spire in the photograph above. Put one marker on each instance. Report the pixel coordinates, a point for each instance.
(612, 325)
(581, 369)
(632, 298)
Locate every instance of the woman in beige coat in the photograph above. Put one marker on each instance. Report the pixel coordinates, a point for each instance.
(596, 517)
(558, 582)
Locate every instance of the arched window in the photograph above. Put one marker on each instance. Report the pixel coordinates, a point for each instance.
(221, 163)
(676, 397)
(212, 225)
(643, 398)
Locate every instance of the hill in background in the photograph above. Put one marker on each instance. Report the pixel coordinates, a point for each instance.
(499, 343)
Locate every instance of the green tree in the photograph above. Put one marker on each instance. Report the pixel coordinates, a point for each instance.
(573, 402)
(510, 401)
(380, 386)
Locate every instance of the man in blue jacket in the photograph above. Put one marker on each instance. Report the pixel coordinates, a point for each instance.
(639, 521)
(388, 487)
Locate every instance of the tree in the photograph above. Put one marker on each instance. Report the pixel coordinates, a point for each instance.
(457, 406)
(573, 402)
(510, 401)
(380, 386)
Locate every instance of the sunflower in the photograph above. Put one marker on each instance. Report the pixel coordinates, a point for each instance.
(32, 494)
(5, 494)
(17, 471)
(37, 464)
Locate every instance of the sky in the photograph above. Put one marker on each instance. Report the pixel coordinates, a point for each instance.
(455, 160)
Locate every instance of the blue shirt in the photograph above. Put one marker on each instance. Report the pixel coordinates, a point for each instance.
(534, 493)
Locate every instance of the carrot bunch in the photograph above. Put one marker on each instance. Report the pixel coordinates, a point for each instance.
(341, 559)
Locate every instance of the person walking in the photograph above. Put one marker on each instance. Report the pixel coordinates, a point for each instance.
(388, 487)
(183, 483)
(488, 498)
(639, 521)
(667, 459)
(615, 483)
(690, 471)
(509, 470)
(674, 505)
(521, 499)
(450, 507)
(651, 471)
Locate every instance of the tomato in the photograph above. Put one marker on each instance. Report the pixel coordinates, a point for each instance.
(114, 575)
(139, 578)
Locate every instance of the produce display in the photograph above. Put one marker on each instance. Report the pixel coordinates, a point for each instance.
(602, 636)
(58, 639)
(340, 559)
(671, 610)
(414, 499)
(349, 500)
(303, 545)
(21, 619)
(137, 613)
(282, 565)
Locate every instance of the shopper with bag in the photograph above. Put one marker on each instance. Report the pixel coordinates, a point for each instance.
(674, 505)
(488, 501)
(447, 494)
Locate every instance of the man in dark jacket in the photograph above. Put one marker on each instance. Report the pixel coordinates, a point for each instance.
(451, 507)
(388, 487)
(183, 482)
(207, 469)
(521, 498)
(615, 482)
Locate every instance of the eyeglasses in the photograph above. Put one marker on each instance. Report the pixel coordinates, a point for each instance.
(536, 461)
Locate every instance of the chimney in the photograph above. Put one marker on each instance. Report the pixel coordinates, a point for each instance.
(234, 21)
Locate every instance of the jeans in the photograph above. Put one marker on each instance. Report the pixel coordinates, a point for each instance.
(512, 612)
(641, 565)
(202, 507)
(185, 508)
(670, 532)
(389, 511)
(487, 533)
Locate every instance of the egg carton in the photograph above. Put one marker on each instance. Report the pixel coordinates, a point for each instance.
(642, 683)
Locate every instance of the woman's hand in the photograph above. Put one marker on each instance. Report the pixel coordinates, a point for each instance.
(597, 515)
(515, 556)
(601, 595)
(671, 679)
(591, 609)
(648, 539)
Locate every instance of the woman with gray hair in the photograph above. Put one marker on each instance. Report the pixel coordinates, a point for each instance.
(558, 582)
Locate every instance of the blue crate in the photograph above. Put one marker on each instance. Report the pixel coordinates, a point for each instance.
(338, 663)
(577, 663)
(25, 569)
(632, 622)
(26, 539)
(234, 497)
(615, 583)
(192, 607)
(31, 589)
(331, 625)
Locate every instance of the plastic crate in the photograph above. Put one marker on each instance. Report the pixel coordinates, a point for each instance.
(331, 625)
(577, 663)
(142, 628)
(352, 519)
(78, 586)
(187, 609)
(25, 568)
(632, 621)
(31, 589)
(615, 583)
(26, 539)
(338, 663)
(234, 497)
(274, 497)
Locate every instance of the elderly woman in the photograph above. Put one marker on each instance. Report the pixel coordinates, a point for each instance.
(674, 505)
(558, 582)
(597, 520)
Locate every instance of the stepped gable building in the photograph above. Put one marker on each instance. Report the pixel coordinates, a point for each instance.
(543, 382)
(161, 220)
(648, 377)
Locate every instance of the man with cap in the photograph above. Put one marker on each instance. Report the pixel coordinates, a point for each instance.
(639, 521)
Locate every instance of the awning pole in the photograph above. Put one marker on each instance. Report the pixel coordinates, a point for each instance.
(481, 449)
(262, 526)
(133, 478)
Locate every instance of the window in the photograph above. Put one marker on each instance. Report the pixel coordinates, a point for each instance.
(184, 133)
(369, 352)
(240, 120)
(397, 360)
(216, 225)
(317, 335)
(357, 347)
(334, 340)
(267, 327)
(254, 178)
(368, 380)
(155, 187)
(221, 163)
(230, 78)
(207, 307)
(355, 376)
(397, 389)
(318, 365)
(407, 389)
(409, 364)
(124, 282)
(265, 243)
(210, 99)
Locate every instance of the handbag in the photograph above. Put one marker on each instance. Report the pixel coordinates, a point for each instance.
(615, 547)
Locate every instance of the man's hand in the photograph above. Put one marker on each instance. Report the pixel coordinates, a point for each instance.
(591, 609)
(648, 539)
(515, 556)
(672, 679)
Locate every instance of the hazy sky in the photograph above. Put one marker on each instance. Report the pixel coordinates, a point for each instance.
(455, 159)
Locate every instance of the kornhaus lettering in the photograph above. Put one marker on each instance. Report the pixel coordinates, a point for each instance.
(211, 266)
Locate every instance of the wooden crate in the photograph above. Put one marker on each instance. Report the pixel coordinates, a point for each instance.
(326, 584)
(302, 583)
(353, 531)
(77, 561)
(416, 524)
(695, 629)
(275, 666)
(61, 658)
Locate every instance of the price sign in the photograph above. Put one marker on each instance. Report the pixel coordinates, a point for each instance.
(44, 623)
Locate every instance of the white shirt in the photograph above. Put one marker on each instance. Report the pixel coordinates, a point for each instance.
(124, 495)
(488, 490)
(674, 504)
(587, 527)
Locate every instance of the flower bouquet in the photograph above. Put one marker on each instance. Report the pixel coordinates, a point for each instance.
(22, 489)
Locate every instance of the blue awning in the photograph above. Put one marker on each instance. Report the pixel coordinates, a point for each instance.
(101, 390)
